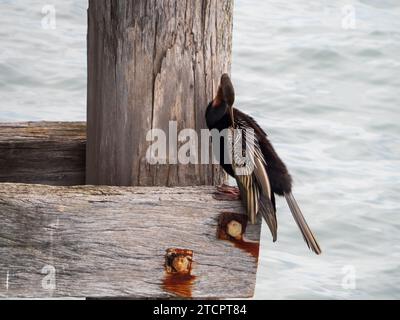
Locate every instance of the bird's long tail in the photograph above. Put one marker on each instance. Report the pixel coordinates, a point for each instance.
(302, 223)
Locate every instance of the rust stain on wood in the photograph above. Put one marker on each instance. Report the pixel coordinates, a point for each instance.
(94, 241)
(251, 247)
(232, 227)
(178, 266)
(179, 284)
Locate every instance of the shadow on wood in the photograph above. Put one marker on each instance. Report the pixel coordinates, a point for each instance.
(51, 153)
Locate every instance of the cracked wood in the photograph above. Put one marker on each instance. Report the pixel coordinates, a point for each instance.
(111, 242)
(151, 62)
(43, 152)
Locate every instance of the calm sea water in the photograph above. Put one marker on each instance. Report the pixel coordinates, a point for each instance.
(322, 78)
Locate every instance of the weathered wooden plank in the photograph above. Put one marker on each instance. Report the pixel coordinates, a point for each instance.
(149, 63)
(111, 242)
(43, 152)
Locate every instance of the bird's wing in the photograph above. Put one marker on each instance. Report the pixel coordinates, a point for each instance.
(268, 212)
(250, 195)
(252, 177)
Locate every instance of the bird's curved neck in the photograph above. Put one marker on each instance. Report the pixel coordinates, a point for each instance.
(215, 116)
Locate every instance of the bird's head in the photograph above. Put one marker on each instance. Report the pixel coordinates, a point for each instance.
(225, 94)
(222, 103)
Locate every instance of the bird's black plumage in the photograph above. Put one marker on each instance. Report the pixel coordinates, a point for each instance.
(270, 176)
(281, 181)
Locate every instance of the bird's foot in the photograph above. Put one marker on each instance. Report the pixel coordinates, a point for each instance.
(227, 193)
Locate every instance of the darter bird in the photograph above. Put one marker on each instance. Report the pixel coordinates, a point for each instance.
(268, 176)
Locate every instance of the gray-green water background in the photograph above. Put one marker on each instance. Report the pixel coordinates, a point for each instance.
(321, 77)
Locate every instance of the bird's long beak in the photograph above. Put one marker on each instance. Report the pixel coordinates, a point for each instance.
(227, 89)
(225, 93)
(228, 93)
(219, 97)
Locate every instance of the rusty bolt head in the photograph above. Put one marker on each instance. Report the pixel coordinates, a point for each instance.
(179, 261)
(234, 229)
(231, 226)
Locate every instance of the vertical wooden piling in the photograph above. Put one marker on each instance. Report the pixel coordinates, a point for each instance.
(149, 63)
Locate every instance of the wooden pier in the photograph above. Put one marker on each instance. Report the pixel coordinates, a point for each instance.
(83, 215)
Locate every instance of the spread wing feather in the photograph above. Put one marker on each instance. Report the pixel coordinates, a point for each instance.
(264, 197)
(252, 177)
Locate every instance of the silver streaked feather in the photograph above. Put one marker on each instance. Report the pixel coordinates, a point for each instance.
(252, 176)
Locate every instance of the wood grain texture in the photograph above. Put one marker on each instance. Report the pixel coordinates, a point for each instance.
(50, 153)
(111, 242)
(151, 62)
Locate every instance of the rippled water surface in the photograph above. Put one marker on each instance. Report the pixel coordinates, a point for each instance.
(327, 94)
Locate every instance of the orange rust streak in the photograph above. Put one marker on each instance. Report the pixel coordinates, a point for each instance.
(250, 247)
(179, 284)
